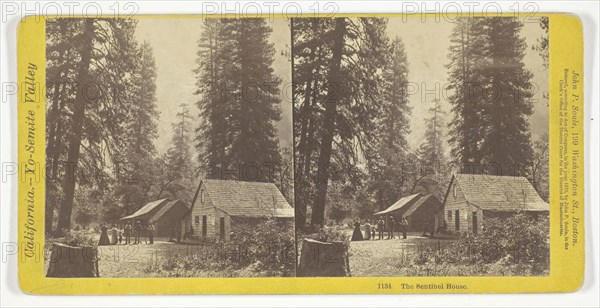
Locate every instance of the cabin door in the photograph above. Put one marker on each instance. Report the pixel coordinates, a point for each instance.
(457, 220)
(204, 226)
(222, 227)
(475, 223)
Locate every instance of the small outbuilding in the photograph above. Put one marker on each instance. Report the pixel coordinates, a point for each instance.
(470, 198)
(220, 204)
(169, 218)
(146, 212)
(419, 210)
(166, 216)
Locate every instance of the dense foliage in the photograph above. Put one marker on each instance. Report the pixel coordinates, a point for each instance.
(263, 248)
(519, 239)
(238, 99)
(101, 119)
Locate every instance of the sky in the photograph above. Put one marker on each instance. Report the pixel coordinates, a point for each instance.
(174, 41)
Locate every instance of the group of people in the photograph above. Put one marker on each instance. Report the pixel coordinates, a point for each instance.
(379, 228)
(123, 234)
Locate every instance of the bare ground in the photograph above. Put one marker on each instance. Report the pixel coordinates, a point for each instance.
(378, 258)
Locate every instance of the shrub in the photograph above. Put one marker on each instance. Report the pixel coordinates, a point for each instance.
(525, 238)
(267, 245)
(517, 244)
(79, 238)
(256, 248)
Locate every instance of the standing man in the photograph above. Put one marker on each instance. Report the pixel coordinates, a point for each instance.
(404, 226)
(380, 227)
(138, 232)
(151, 229)
(391, 225)
(128, 233)
(373, 227)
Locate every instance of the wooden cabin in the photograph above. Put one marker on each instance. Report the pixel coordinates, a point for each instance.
(472, 197)
(220, 204)
(419, 210)
(166, 216)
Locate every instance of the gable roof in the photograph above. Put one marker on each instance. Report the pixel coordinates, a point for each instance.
(167, 207)
(250, 199)
(499, 193)
(145, 209)
(427, 198)
(399, 204)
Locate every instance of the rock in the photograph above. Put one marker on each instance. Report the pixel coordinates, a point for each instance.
(71, 261)
(323, 259)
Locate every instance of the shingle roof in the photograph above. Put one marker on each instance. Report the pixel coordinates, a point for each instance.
(250, 199)
(413, 207)
(500, 193)
(398, 205)
(145, 209)
(167, 207)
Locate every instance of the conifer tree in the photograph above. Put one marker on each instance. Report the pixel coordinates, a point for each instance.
(338, 65)
(179, 166)
(490, 96)
(239, 101)
(431, 151)
(179, 158)
(90, 66)
(466, 86)
(506, 143)
(136, 177)
(387, 170)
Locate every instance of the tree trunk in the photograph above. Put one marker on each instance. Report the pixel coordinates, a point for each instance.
(71, 261)
(323, 259)
(66, 209)
(332, 99)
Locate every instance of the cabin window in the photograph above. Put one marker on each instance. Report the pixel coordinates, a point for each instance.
(201, 195)
(449, 214)
(197, 220)
(454, 191)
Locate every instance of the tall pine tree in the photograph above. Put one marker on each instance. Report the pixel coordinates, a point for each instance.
(465, 85)
(387, 170)
(338, 68)
(506, 144)
(135, 177)
(431, 151)
(89, 72)
(179, 160)
(239, 100)
(490, 96)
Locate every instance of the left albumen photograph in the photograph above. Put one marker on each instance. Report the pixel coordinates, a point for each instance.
(169, 148)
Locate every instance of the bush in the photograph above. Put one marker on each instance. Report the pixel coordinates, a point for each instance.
(79, 238)
(257, 248)
(517, 244)
(267, 246)
(524, 238)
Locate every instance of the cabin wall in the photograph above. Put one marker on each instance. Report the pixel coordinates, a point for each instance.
(455, 201)
(186, 223)
(163, 226)
(222, 217)
(205, 212)
(173, 218)
(426, 213)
